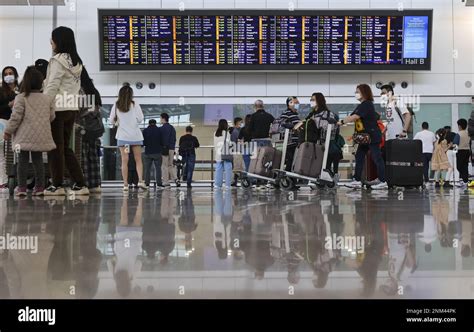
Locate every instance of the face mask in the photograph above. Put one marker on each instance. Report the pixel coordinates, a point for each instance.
(312, 104)
(9, 79)
(384, 100)
(357, 96)
(241, 125)
(297, 106)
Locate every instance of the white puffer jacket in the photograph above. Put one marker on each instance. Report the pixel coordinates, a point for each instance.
(63, 81)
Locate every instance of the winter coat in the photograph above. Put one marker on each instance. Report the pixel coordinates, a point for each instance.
(30, 123)
(63, 81)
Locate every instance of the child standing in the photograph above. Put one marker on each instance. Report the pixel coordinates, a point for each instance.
(439, 162)
(30, 125)
(127, 115)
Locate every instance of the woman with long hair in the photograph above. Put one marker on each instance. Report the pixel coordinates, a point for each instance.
(63, 82)
(221, 144)
(8, 92)
(127, 115)
(321, 114)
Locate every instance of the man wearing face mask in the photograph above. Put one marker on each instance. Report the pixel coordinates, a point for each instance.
(398, 115)
(8, 92)
(289, 119)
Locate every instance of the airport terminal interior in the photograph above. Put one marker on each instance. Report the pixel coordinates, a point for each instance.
(281, 234)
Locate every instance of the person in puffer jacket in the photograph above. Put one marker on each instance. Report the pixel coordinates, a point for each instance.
(63, 82)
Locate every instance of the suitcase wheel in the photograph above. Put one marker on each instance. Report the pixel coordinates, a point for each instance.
(178, 183)
(331, 184)
(245, 182)
(286, 183)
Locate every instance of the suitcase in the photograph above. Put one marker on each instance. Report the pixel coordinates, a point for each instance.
(267, 159)
(308, 159)
(404, 163)
(369, 173)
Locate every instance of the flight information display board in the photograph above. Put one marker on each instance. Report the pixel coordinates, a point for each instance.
(265, 39)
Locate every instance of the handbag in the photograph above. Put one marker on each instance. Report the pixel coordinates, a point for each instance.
(361, 138)
(225, 148)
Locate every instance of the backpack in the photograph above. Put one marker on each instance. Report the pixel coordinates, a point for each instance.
(413, 118)
(92, 125)
(309, 132)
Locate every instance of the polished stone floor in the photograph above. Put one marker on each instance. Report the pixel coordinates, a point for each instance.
(239, 244)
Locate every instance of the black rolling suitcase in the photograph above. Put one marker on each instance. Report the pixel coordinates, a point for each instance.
(404, 163)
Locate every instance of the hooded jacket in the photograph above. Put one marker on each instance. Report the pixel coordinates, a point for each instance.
(63, 81)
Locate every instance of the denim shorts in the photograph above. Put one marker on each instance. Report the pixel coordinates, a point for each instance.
(131, 143)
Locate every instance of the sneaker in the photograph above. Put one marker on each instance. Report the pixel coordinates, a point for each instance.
(355, 184)
(54, 191)
(21, 191)
(437, 185)
(4, 189)
(217, 188)
(79, 190)
(380, 185)
(189, 185)
(471, 184)
(38, 191)
(142, 185)
(125, 188)
(96, 190)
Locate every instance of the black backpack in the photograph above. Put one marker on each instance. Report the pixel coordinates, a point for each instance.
(308, 132)
(92, 125)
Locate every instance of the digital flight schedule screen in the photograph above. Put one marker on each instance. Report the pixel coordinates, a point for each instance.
(265, 40)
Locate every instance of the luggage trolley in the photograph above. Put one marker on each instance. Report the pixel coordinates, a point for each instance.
(246, 176)
(325, 179)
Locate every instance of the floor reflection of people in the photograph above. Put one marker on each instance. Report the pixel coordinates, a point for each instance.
(187, 219)
(320, 259)
(401, 240)
(255, 239)
(236, 227)
(127, 247)
(369, 217)
(166, 226)
(27, 270)
(466, 226)
(88, 262)
(222, 220)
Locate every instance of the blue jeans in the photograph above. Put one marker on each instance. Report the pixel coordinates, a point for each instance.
(189, 162)
(246, 158)
(376, 157)
(222, 166)
(223, 204)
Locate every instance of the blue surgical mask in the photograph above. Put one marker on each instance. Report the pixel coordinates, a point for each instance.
(297, 106)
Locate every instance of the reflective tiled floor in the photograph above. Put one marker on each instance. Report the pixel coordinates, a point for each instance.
(239, 244)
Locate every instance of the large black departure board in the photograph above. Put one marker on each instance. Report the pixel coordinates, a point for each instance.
(265, 39)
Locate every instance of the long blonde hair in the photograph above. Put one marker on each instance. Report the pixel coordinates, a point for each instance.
(125, 99)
